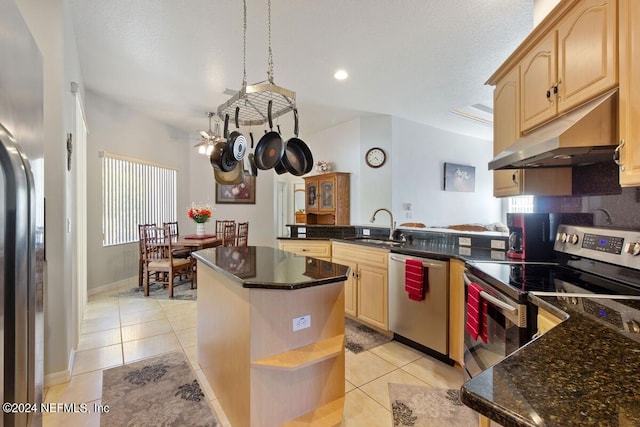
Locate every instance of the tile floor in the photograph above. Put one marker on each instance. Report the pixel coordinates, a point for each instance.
(120, 330)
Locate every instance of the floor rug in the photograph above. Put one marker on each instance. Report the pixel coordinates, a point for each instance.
(157, 291)
(359, 337)
(420, 406)
(160, 391)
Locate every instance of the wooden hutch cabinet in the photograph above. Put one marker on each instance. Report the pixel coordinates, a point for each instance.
(327, 199)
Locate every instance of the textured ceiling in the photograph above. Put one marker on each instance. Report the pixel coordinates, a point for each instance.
(413, 59)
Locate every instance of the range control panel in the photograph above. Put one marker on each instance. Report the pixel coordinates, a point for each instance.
(620, 247)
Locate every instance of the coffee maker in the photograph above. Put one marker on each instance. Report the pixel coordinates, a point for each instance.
(531, 235)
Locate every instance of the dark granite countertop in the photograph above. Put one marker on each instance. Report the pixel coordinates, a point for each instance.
(268, 268)
(583, 372)
(426, 248)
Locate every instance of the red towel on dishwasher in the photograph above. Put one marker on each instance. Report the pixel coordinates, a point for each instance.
(477, 308)
(415, 279)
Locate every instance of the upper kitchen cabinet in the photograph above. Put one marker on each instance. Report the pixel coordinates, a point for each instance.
(573, 61)
(506, 130)
(327, 199)
(629, 93)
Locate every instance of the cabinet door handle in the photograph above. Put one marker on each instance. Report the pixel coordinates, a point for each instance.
(616, 154)
(514, 177)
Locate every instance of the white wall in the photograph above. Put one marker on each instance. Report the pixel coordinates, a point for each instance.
(117, 129)
(418, 157)
(50, 24)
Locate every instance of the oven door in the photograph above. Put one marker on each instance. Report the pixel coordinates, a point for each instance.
(506, 329)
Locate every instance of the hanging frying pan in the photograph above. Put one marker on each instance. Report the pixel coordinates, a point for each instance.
(236, 142)
(270, 148)
(297, 158)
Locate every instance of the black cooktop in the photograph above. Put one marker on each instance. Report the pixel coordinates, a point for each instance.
(519, 278)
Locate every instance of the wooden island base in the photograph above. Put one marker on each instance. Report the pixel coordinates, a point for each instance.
(261, 371)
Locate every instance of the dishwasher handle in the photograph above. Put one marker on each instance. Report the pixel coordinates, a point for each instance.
(424, 263)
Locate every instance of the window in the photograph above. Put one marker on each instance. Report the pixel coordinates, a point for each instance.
(134, 192)
(520, 204)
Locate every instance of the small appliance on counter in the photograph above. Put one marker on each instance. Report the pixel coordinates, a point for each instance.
(531, 235)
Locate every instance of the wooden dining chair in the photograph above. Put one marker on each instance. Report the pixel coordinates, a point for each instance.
(158, 255)
(178, 251)
(242, 234)
(221, 224)
(229, 235)
(141, 263)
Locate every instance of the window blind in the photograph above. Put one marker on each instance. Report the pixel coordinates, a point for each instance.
(135, 192)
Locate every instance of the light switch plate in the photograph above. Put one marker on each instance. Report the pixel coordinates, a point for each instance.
(302, 230)
(366, 232)
(497, 244)
(302, 322)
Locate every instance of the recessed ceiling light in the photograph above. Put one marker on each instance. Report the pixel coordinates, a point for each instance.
(341, 75)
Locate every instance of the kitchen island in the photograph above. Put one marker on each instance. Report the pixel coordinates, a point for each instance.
(271, 335)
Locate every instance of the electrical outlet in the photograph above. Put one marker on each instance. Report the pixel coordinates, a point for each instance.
(366, 232)
(464, 251)
(464, 241)
(302, 322)
(497, 244)
(302, 230)
(409, 215)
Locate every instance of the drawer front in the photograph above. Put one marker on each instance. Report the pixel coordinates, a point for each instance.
(361, 254)
(318, 249)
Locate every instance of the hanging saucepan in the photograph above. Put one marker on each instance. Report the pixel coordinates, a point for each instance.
(233, 177)
(270, 147)
(221, 157)
(297, 158)
(236, 141)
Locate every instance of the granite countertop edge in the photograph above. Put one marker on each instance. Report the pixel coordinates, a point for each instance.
(205, 255)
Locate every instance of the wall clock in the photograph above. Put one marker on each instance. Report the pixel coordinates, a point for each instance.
(375, 157)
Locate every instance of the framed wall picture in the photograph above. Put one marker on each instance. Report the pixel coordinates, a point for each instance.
(459, 177)
(245, 192)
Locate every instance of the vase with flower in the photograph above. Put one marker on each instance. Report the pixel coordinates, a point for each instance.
(323, 166)
(200, 215)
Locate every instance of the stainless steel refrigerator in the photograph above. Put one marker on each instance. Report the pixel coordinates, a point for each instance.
(21, 218)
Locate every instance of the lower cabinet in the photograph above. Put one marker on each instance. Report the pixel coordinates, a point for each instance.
(546, 321)
(367, 289)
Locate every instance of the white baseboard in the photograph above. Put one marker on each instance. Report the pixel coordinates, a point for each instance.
(133, 281)
(60, 377)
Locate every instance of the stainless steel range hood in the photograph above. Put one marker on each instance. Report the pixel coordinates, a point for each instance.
(586, 135)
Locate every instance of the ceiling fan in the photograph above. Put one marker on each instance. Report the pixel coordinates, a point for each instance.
(209, 138)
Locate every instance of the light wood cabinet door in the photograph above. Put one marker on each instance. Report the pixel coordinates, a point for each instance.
(538, 77)
(350, 287)
(373, 290)
(587, 54)
(629, 94)
(506, 130)
(456, 311)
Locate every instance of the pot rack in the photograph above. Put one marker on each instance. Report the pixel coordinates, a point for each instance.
(253, 100)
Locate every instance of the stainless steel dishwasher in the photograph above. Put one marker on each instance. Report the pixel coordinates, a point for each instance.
(423, 322)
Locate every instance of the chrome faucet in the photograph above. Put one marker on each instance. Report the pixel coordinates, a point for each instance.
(392, 223)
(607, 220)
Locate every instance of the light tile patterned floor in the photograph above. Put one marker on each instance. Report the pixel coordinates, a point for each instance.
(121, 330)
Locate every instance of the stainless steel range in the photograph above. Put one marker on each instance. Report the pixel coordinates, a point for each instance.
(594, 270)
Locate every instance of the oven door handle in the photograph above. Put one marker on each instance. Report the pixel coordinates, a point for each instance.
(493, 300)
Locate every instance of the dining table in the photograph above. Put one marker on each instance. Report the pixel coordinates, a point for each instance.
(195, 242)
